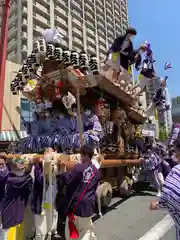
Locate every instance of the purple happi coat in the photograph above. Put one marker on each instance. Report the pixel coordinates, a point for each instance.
(13, 204)
(3, 179)
(170, 197)
(150, 162)
(76, 182)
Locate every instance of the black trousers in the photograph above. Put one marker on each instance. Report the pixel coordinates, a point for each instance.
(61, 225)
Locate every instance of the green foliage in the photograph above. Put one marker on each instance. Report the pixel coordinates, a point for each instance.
(163, 134)
(178, 100)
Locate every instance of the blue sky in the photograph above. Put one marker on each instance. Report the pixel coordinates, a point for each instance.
(158, 22)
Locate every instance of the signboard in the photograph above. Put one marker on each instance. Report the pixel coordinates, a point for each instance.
(149, 126)
(148, 133)
(149, 130)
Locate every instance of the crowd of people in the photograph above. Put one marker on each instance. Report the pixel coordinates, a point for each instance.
(75, 194)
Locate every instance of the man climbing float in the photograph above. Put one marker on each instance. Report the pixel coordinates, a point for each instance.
(159, 99)
(119, 55)
(145, 67)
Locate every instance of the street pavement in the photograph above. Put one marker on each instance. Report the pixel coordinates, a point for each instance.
(170, 235)
(131, 219)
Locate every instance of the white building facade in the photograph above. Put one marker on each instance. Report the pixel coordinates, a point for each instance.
(85, 24)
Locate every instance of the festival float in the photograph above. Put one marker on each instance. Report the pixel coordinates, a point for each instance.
(77, 101)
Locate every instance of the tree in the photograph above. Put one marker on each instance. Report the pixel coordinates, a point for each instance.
(160, 133)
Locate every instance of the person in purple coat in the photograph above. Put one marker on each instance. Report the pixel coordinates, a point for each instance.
(3, 176)
(80, 196)
(17, 191)
(170, 197)
(151, 162)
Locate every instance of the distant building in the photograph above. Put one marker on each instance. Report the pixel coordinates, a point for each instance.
(175, 109)
(168, 114)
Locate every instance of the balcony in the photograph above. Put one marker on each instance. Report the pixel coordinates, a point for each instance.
(117, 13)
(116, 6)
(77, 32)
(62, 13)
(76, 5)
(12, 44)
(102, 47)
(91, 45)
(100, 9)
(89, 8)
(110, 20)
(24, 9)
(111, 35)
(108, 4)
(44, 3)
(24, 35)
(91, 40)
(41, 21)
(62, 31)
(24, 48)
(101, 33)
(110, 40)
(13, 9)
(62, 3)
(90, 3)
(77, 47)
(12, 32)
(61, 23)
(77, 22)
(101, 25)
(24, 22)
(102, 40)
(12, 56)
(101, 17)
(91, 50)
(100, 3)
(12, 20)
(77, 14)
(110, 26)
(90, 32)
(89, 16)
(124, 2)
(37, 29)
(109, 12)
(77, 40)
(41, 10)
(64, 42)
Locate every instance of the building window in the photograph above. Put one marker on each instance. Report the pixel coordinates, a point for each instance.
(26, 112)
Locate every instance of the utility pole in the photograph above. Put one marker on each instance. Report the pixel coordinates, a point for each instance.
(5, 4)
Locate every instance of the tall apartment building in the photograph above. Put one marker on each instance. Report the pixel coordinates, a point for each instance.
(175, 110)
(85, 24)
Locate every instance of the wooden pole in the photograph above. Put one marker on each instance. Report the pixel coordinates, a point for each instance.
(79, 119)
(105, 163)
